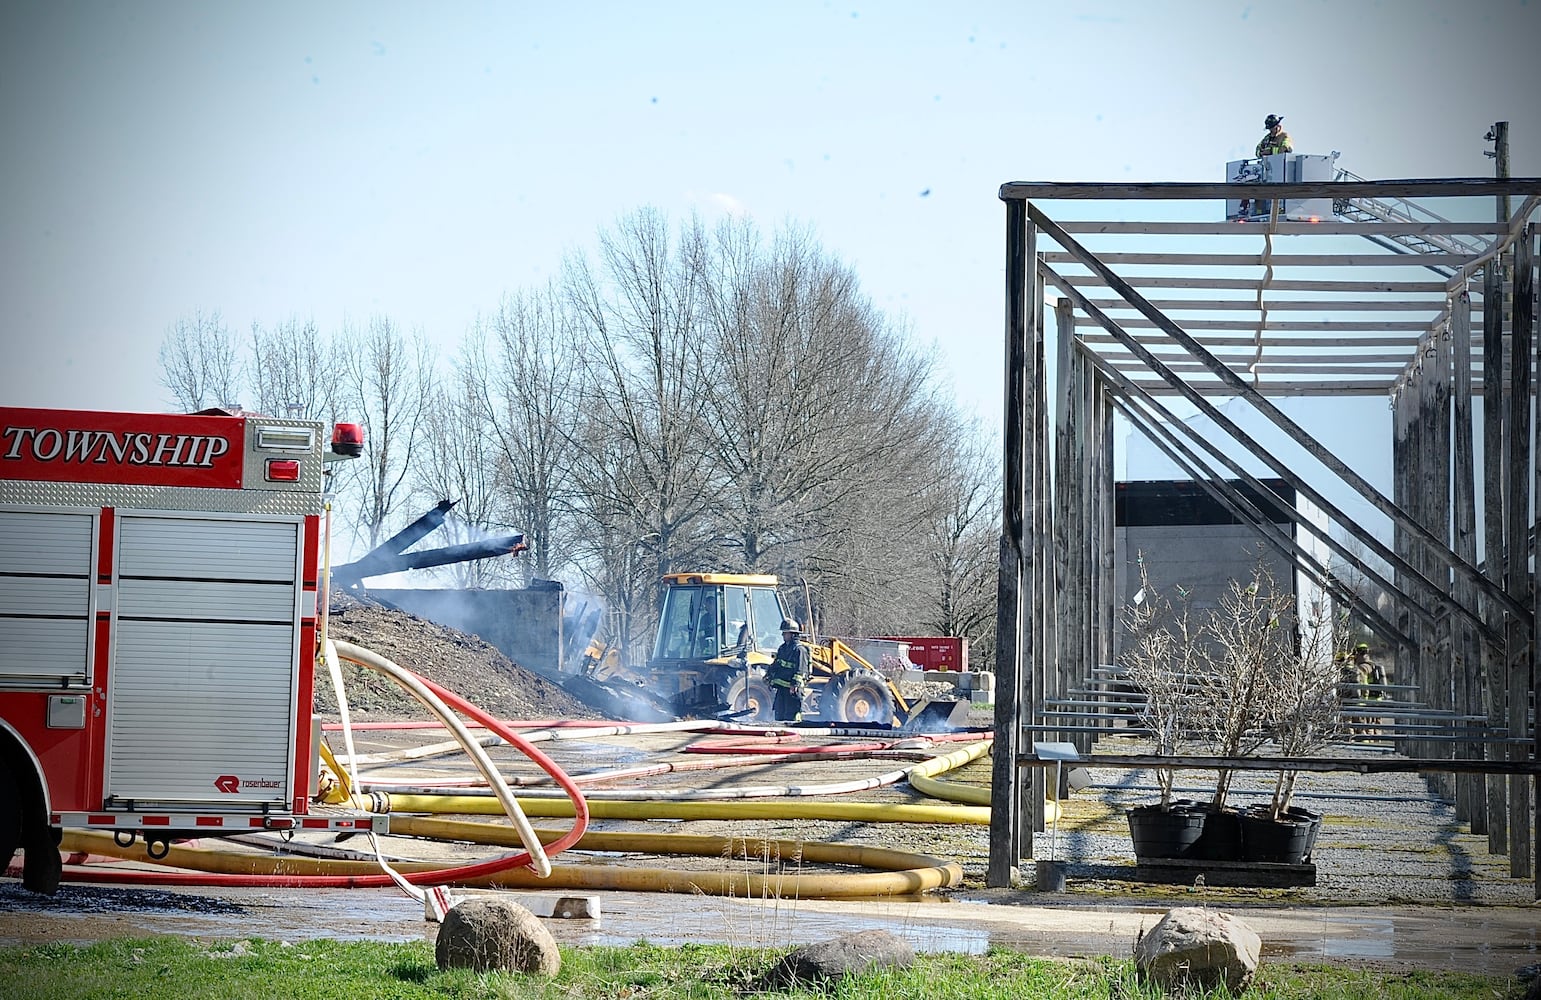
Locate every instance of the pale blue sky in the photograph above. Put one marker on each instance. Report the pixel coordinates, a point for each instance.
(333, 161)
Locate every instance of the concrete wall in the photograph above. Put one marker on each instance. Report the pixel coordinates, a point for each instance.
(1189, 540)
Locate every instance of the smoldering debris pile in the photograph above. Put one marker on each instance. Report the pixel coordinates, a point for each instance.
(463, 663)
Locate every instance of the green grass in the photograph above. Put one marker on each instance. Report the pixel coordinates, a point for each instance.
(167, 968)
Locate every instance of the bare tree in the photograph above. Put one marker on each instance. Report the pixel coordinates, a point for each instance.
(199, 363)
(528, 380)
(641, 468)
(385, 380)
(961, 540)
(820, 417)
(457, 459)
(293, 370)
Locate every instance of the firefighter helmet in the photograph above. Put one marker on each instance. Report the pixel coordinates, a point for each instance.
(1272, 120)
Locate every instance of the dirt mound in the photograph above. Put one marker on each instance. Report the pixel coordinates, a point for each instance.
(465, 664)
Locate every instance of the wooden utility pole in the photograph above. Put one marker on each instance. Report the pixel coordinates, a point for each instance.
(1498, 135)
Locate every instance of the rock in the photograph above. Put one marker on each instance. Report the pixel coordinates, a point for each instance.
(828, 961)
(1193, 946)
(496, 935)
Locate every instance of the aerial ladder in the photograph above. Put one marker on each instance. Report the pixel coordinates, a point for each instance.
(1403, 210)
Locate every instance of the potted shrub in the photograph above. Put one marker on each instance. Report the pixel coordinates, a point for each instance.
(1228, 681)
(1158, 653)
(1303, 710)
(1245, 637)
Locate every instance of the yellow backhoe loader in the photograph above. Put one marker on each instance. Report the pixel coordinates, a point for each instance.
(716, 633)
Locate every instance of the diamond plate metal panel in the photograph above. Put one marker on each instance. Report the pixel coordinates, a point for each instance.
(13, 491)
(254, 474)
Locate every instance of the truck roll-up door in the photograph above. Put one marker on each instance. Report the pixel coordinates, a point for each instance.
(206, 653)
(45, 597)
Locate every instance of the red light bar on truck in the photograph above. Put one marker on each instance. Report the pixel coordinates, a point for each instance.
(348, 440)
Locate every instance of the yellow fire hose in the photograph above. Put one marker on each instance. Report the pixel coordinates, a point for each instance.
(857, 812)
(770, 868)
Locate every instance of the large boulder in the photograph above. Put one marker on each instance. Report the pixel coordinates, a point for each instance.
(1196, 947)
(489, 934)
(827, 961)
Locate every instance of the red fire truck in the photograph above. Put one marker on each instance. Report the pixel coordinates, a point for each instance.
(158, 627)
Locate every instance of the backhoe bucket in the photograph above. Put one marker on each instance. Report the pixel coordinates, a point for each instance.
(937, 716)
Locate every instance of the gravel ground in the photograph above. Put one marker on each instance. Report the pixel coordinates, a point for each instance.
(1385, 838)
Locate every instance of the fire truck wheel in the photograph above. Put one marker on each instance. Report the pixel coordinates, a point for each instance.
(860, 696)
(10, 814)
(751, 695)
(42, 867)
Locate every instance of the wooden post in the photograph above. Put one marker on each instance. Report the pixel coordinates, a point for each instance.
(1403, 668)
(1104, 537)
(1071, 515)
(1107, 512)
(1522, 664)
(1010, 635)
(1471, 790)
(1495, 666)
(1412, 489)
(1437, 518)
(1041, 599)
(1516, 534)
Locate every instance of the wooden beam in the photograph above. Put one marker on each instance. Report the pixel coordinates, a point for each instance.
(1277, 260)
(1153, 341)
(1296, 387)
(1357, 765)
(1448, 187)
(1302, 326)
(1231, 228)
(1398, 304)
(1265, 369)
(1357, 285)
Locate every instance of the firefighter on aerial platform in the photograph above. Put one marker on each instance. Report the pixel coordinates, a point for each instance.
(1274, 140)
(787, 673)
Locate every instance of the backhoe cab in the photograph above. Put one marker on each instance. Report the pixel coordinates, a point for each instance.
(716, 633)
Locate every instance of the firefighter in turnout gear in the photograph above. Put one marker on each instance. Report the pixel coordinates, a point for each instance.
(1276, 140)
(787, 673)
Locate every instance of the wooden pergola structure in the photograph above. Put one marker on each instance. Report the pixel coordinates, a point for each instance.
(1406, 306)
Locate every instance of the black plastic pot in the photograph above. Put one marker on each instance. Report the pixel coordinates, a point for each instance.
(1287, 840)
(1314, 818)
(1222, 837)
(1165, 833)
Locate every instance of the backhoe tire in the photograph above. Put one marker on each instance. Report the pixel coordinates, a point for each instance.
(750, 693)
(859, 696)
